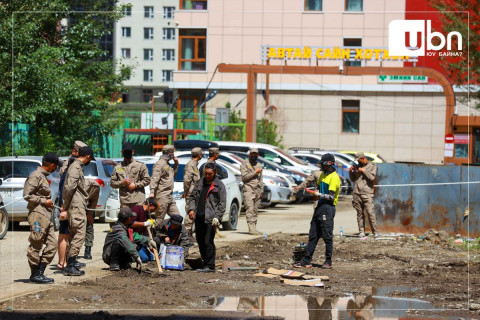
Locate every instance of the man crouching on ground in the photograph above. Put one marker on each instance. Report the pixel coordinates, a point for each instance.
(173, 232)
(120, 246)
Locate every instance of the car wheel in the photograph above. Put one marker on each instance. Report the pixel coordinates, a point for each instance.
(231, 224)
(3, 223)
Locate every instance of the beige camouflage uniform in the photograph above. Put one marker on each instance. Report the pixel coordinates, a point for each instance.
(137, 172)
(38, 191)
(190, 176)
(252, 190)
(75, 203)
(161, 186)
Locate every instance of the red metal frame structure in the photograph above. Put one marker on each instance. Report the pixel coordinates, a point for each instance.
(252, 70)
(160, 136)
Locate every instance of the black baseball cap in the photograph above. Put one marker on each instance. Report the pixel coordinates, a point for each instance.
(51, 157)
(326, 158)
(153, 201)
(127, 146)
(86, 151)
(125, 213)
(176, 219)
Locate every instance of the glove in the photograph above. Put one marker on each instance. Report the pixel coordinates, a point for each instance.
(149, 223)
(215, 222)
(152, 245)
(139, 264)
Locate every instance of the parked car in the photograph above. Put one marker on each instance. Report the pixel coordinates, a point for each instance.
(14, 171)
(373, 157)
(266, 197)
(234, 196)
(100, 170)
(268, 152)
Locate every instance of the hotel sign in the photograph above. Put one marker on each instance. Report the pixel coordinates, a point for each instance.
(330, 53)
(402, 79)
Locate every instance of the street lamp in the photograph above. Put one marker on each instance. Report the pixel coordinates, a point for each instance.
(153, 103)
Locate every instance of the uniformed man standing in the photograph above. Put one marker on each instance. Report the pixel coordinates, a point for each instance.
(76, 147)
(131, 177)
(213, 154)
(75, 203)
(40, 207)
(93, 189)
(190, 176)
(252, 179)
(161, 185)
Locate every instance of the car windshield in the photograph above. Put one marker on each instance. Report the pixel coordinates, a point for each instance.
(178, 176)
(90, 170)
(17, 169)
(289, 157)
(108, 166)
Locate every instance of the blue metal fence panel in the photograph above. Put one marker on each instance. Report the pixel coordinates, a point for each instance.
(413, 198)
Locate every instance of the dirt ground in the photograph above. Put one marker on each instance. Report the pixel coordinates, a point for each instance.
(437, 272)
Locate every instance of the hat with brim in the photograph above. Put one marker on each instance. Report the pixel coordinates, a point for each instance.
(86, 151)
(52, 157)
(359, 155)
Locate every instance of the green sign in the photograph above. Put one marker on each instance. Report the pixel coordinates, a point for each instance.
(402, 79)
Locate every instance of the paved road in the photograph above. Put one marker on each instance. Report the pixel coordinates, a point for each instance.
(14, 270)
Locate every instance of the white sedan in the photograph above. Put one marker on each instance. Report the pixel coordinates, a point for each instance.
(234, 195)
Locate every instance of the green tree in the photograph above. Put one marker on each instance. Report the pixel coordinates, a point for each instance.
(233, 133)
(267, 132)
(462, 16)
(54, 75)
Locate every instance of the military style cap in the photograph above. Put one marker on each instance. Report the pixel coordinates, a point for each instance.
(359, 155)
(253, 150)
(176, 219)
(78, 145)
(86, 151)
(214, 150)
(51, 157)
(127, 146)
(168, 149)
(196, 151)
(125, 213)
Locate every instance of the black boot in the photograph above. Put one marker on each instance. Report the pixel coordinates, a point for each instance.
(79, 264)
(35, 277)
(41, 271)
(88, 253)
(71, 269)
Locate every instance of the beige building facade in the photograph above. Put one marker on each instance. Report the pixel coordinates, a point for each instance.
(401, 120)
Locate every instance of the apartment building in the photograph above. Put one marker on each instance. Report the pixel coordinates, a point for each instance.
(403, 119)
(146, 37)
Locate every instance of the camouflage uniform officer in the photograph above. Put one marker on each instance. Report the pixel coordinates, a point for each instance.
(161, 185)
(75, 203)
(93, 189)
(131, 177)
(213, 154)
(190, 176)
(40, 207)
(252, 179)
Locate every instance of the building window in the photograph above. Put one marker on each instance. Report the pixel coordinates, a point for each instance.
(193, 49)
(193, 4)
(147, 95)
(313, 5)
(354, 5)
(351, 116)
(148, 54)
(148, 33)
(352, 42)
(148, 12)
(124, 97)
(127, 10)
(126, 32)
(168, 33)
(126, 53)
(461, 150)
(168, 12)
(168, 55)
(148, 75)
(167, 75)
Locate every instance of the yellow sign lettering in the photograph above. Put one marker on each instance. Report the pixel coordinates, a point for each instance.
(297, 54)
(281, 53)
(377, 53)
(359, 54)
(368, 54)
(319, 53)
(289, 52)
(307, 53)
(272, 53)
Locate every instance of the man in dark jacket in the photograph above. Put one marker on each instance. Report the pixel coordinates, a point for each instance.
(207, 206)
(173, 232)
(120, 246)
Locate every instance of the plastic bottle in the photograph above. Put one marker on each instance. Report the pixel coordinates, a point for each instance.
(265, 236)
(37, 227)
(341, 231)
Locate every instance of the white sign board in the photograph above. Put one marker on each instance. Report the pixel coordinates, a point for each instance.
(401, 79)
(146, 121)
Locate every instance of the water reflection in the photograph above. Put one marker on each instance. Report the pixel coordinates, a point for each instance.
(355, 306)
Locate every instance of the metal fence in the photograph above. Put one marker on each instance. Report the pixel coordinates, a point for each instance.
(414, 198)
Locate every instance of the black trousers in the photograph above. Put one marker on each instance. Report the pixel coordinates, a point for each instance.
(119, 255)
(321, 226)
(205, 235)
